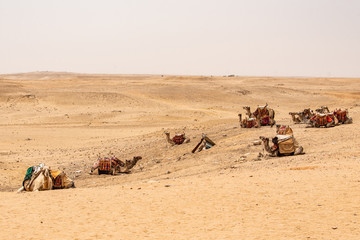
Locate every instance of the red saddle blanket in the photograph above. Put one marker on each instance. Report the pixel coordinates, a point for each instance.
(178, 139)
(105, 164)
(249, 123)
(58, 182)
(341, 115)
(265, 120)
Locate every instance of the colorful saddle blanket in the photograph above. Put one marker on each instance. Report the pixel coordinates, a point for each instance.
(105, 164)
(178, 139)
(265, 120)
(262, 111)
(341, 115)
(284, 130)
(249, 123)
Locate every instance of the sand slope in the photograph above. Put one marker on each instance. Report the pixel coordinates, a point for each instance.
(65, 120)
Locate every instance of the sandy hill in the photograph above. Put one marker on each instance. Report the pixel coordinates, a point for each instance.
(66, 119)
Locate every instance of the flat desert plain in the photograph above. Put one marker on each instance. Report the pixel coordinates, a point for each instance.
(65, 120)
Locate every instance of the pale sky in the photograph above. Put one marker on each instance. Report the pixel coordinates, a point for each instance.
(318, 38)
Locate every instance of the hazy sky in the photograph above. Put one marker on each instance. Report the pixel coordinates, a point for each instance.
(202, 37)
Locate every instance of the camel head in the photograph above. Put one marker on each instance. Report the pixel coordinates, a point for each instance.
(247, 108)
(167, 133)
(137, 158)
(264, 139)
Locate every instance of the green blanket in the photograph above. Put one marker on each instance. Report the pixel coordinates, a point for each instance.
(28, 174)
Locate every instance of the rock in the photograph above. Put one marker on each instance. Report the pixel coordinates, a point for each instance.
(257, 142)
(167, 185)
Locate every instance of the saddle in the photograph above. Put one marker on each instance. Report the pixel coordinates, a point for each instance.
(105, 164)
(284, 130)
(178, 139)
(286, 144)
(262, 111)
(57, 178)
(341, 115)
(265, 120)
(249, 123)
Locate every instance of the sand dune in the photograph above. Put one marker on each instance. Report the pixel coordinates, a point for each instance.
(66, 119)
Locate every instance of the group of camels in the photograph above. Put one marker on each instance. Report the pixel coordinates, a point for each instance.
(321, 117)
(42, 178)
(263, 116)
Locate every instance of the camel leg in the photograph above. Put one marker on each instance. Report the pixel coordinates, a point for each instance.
(299, 151)
(348, 120)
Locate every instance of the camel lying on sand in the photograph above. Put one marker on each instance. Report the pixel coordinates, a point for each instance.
(323, 120)
(114, 165)
(342, 116)
(284, 143)
(177, 139)
(263, 114)
(39, 178)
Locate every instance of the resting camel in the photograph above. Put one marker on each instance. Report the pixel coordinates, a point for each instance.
(177, 139)
(298, 117)
(343, 116)
(247, 122)
(248, 112)
(117, 165)
(39, 178)
(129, 164)
(274, 151)
(39, 181)
(263, 114)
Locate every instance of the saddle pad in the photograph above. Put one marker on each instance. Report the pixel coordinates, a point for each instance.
(178, 139)
(265, 120)
(105, 165)
(58, 182)
(287, 146)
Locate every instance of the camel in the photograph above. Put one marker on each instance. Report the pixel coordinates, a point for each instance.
(40, 180)
(302, 117)
(177, 139)
(323, 120)
(263, 114)
(247, 122)
(343, 116)
(248, 112)
(323, 109)
(114, 165)
(297, 117)
(282, 148)
(129, 164)
(61, 180)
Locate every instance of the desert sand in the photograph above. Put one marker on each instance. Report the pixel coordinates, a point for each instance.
(65, 120)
